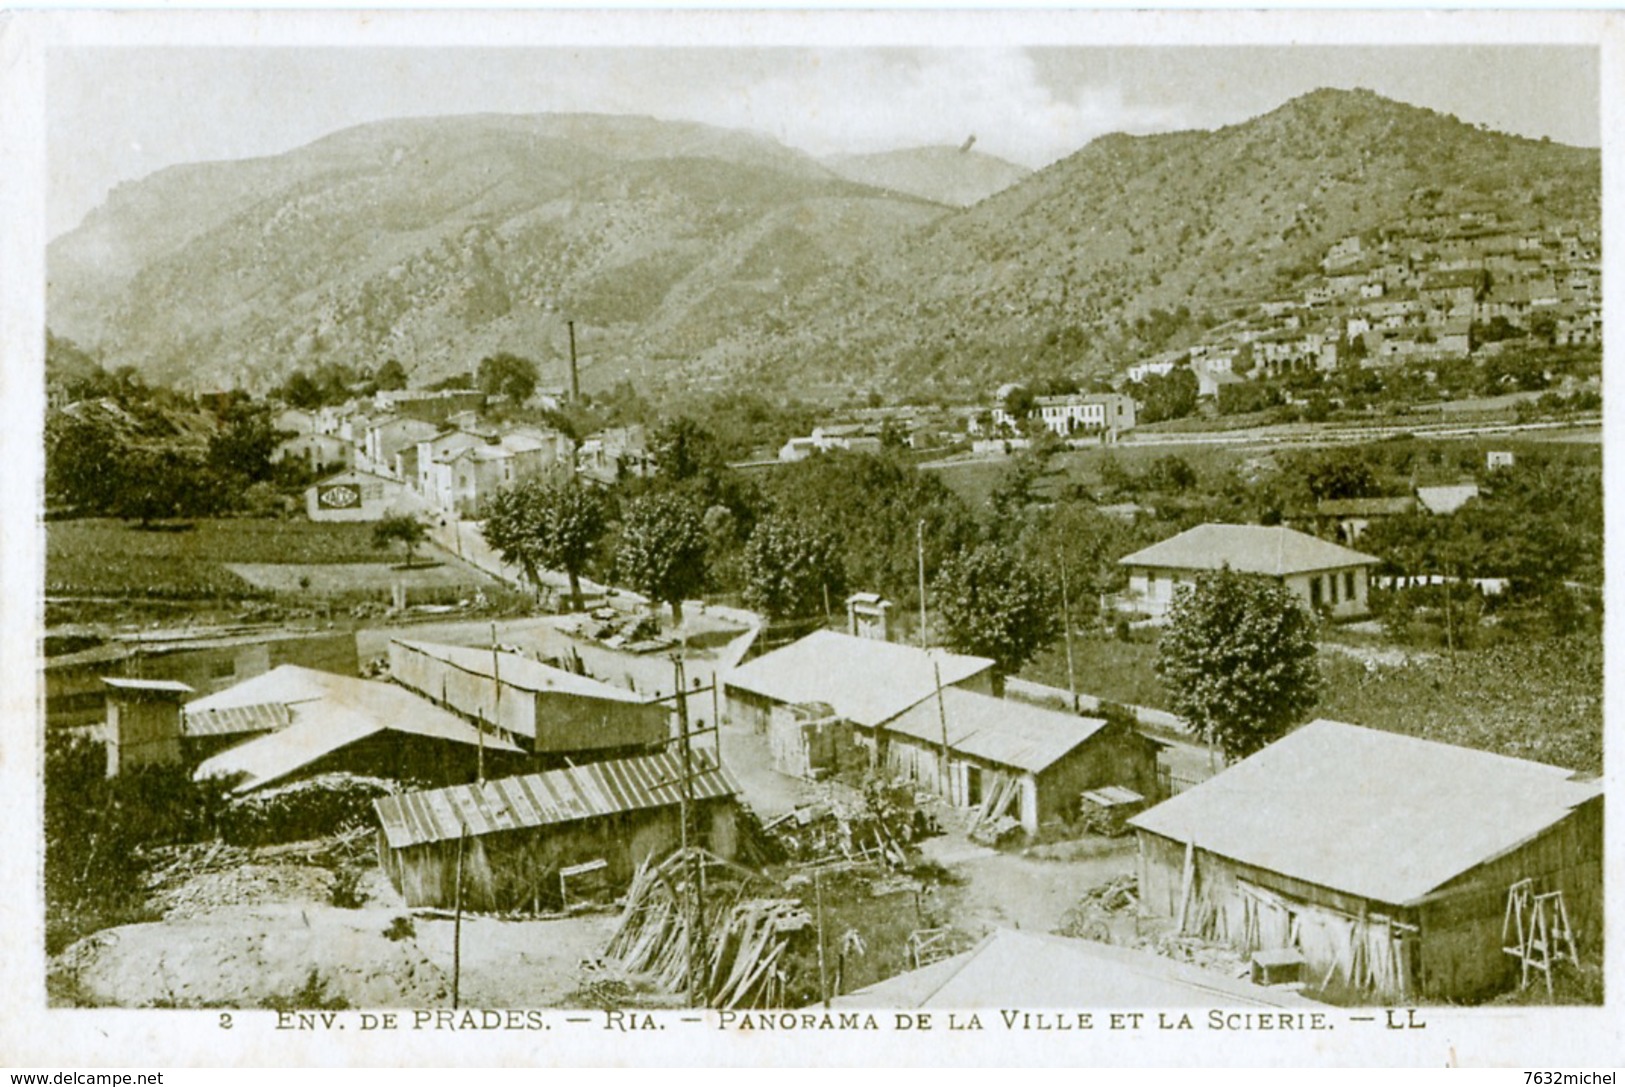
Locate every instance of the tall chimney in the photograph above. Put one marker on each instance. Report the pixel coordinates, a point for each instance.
(575, 378)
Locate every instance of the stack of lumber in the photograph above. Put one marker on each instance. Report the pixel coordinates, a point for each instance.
(737, 943)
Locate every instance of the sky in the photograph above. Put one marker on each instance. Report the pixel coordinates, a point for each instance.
(117, 114)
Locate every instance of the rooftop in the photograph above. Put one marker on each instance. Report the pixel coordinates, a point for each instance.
(522, 672)
(1057, 972)
(999, 730)
(866, 680)
(550, 798)
(1328, 803)
(328, 712)
(1249, 549)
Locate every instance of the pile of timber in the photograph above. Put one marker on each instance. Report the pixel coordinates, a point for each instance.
(828, 830)
(737, 942)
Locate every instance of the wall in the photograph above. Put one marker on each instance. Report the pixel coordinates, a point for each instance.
(1116, 755)
(142, 732)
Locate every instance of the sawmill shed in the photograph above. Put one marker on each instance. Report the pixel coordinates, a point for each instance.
(518, 833)
(550, 712)
(1386, 862)
(299, 722)
(1012, 758)
(863, 680)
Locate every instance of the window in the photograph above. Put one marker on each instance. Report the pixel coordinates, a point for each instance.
(1348, 585)
(1331, 584)
(1314, 592)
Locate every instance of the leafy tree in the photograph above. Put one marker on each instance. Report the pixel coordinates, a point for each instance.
(390, 376)
(241, 450)
(1170, 473)
(993, 604)
(1238, 660)
(1087, 543)
(1338, 473)
(155, 485)
(535, 525)
(504, 374)
(83, 462)
(663, 549)
(791, 568)
(684, 449)
(1167, 396)
(401, 528)
(301, 391)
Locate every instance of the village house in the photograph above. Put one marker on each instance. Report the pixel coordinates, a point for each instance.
(1323, 576)
(551, 712)
(432, 406)
(384, 440)
(460, 472)
(515, 839)
(341, 723)
(1086, 413)
(315, 452)
(1000, 757)
(357, 495)
(824, 439)
(1352, 516)
(1293, 852)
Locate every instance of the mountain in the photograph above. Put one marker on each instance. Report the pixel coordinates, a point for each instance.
(1086, 264)
(439, 240)
(958, 177)
(714, 257)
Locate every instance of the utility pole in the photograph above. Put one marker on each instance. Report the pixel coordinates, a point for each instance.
(942, 720)
(696, 930)
(1066, 626)
(457, 924)
(919, 542)
(818, 898)
(575, 377)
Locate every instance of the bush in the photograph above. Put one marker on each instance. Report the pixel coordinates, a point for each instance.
(316, 808)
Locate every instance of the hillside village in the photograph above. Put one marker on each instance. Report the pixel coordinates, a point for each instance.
(389, 686)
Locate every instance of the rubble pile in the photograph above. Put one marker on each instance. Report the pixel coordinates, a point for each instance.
(1090, 917)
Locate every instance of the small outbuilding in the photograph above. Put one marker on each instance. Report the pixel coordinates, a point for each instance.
(549, 711)
(517, 834)
(358, 495)
(1001, 757)
(1387, 862)
(1323, 576)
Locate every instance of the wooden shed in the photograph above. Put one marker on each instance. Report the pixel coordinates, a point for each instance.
(517, 833)
(1386, 860)
(1012, 758)
(547, 710)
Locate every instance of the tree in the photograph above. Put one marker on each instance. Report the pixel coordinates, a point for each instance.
(663, 548)
(993, 604)
(241, 450)
(82, 463)
(154, 485)
(504, 374)
(535, 525)
(390, 376)
(684, 449)
(401, 528)
(1238, 660)
(792, 568)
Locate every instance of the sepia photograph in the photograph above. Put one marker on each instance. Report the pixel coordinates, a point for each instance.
(846, 529)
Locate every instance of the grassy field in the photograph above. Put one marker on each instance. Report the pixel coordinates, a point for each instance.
(111, 558)
(1535, 700)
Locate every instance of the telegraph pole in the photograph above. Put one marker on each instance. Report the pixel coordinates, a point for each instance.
(919, 543)
(696, 940)
(457, 924)
(1066, 626)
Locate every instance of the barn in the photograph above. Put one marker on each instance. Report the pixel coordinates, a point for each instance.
(863, 680)
(517, 834)
(1383, 862)
(302, 722)
(549, 711)
(1012, 758)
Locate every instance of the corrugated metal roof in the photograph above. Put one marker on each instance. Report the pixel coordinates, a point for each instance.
(867, 681)
(328, 712)
(165, 686)
(999, 730)
(522, 672)
(1374, 814)
(1249, 549)
(231, 720)
(549, 798)
(1057, 972)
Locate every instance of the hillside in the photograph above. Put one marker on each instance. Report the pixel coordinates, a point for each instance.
(723, 258)
(947, 175)
(1054, 273)
(436, 241)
